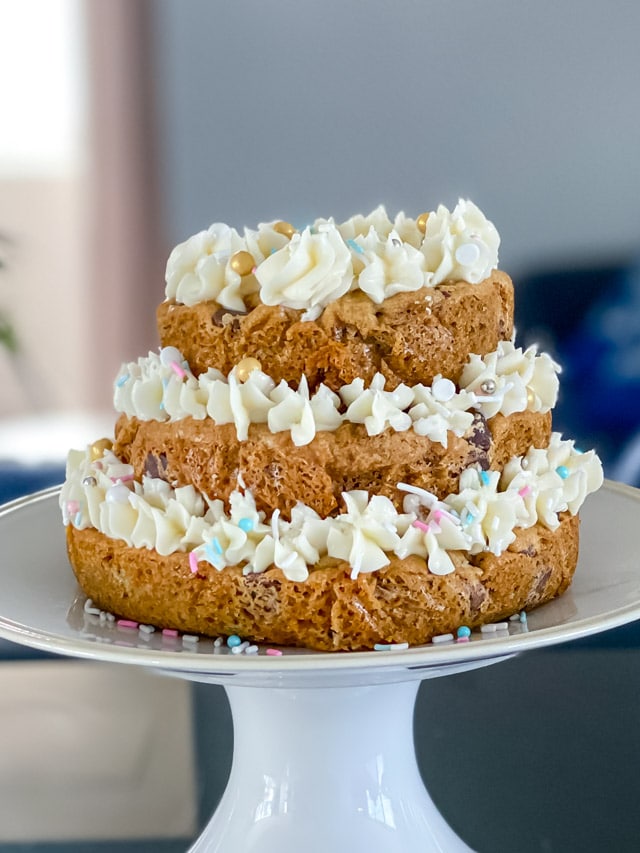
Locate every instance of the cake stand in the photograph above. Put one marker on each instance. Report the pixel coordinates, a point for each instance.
(324, 758)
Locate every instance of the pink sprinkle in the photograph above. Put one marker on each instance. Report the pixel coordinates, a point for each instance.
(273, 652)
(73, 507)
(193, 562)
(127, 478)
(178, 370)
(462, 640)
(437, 515)
(524, 491)
(421, 525)
(127, 623)
(169, 632)
(253, 270)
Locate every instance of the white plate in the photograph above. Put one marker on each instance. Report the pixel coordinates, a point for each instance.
(41, 605)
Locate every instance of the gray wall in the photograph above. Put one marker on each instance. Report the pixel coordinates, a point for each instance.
(292, 109)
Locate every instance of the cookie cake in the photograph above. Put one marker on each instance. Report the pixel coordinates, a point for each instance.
(338, 443)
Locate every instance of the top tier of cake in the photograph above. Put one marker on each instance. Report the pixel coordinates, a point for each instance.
(409, 299)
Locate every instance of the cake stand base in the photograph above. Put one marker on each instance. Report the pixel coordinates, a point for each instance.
(326, 770)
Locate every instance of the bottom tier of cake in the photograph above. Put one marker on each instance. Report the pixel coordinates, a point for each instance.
(328, 611)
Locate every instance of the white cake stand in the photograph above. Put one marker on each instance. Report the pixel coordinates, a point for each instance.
(324, 758)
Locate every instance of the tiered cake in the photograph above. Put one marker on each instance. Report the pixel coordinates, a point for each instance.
(338, 444)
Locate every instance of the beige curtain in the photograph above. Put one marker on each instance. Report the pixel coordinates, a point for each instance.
(127, 249)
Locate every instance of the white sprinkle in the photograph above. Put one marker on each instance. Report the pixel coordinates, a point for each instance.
(443, 390)
(514, 618)
(467, 254)
(146, 629)
(190, 638)
(251, 650)
(218, 642)
(442, 638)
(237, 650)
(398, 646)
(502, 626)
(89, 608)
(488, 629)
(428, 497)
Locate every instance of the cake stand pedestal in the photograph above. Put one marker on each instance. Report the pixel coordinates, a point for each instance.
(326, 766)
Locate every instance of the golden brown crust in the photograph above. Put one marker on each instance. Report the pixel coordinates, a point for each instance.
(410, 337)
(279, 474)
(329, 611)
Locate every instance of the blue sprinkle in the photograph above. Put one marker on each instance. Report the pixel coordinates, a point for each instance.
(523, 617)
(562, 471)
(356, 248)
(382, 647)
(78, 519)
(217, 547)
(245, 524)
(122, 380)
(233, 641)
(484, 478)
(463, 631)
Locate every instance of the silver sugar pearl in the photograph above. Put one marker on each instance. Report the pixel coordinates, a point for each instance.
(488, 386)
(89, 481)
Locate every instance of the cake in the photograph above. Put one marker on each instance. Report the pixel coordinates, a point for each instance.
(338, 443)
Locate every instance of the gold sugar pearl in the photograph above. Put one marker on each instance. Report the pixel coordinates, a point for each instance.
(284, 228)
(421, 222)
(245, 367)
(531, 397)
(242, 263)
(98, 448)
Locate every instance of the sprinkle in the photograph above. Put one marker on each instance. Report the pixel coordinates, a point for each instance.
(443, 390)
(463, 631)
(462, 639)
(177, 369)
(233, 640)
(467, 254)
(355, 246)
(117, 494)
(217, 642)
(169, 356)
(147, 630)
(126, 478)
(442, 638)
(190, 639)
(73, 507)
(523, 616)
(421, 525)
(562, 471)
(514, 618)
(170, 632)
(122, 380)
(90, 609)
(217, 546)
(488, 387)
(484, 478)
(501, 626)
(89, 481)
(428, 498)
(127, 623)
(237, 650)
(251, 650)
(396, 647)
(524, 491)
(193, 562)
(78, 519)
(245, 524)
(381, 647)
(273, 652)
(488, 629)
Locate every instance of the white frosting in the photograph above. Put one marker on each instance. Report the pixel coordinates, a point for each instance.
(312, 270)
(318, 265)
(388, 266)
(482, 516)
(460, 245)
(151, 389)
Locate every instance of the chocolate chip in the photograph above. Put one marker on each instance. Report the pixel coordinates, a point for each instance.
(479, 432)
(530, 551)
(156, 466)
(541, 583)
(224, 317)
(476, 597)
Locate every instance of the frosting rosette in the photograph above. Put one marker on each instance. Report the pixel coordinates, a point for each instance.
(199, 269)
(312, 270)
(461, 244)
(390, 266)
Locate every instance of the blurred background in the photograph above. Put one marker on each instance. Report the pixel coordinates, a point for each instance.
(126, 126)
